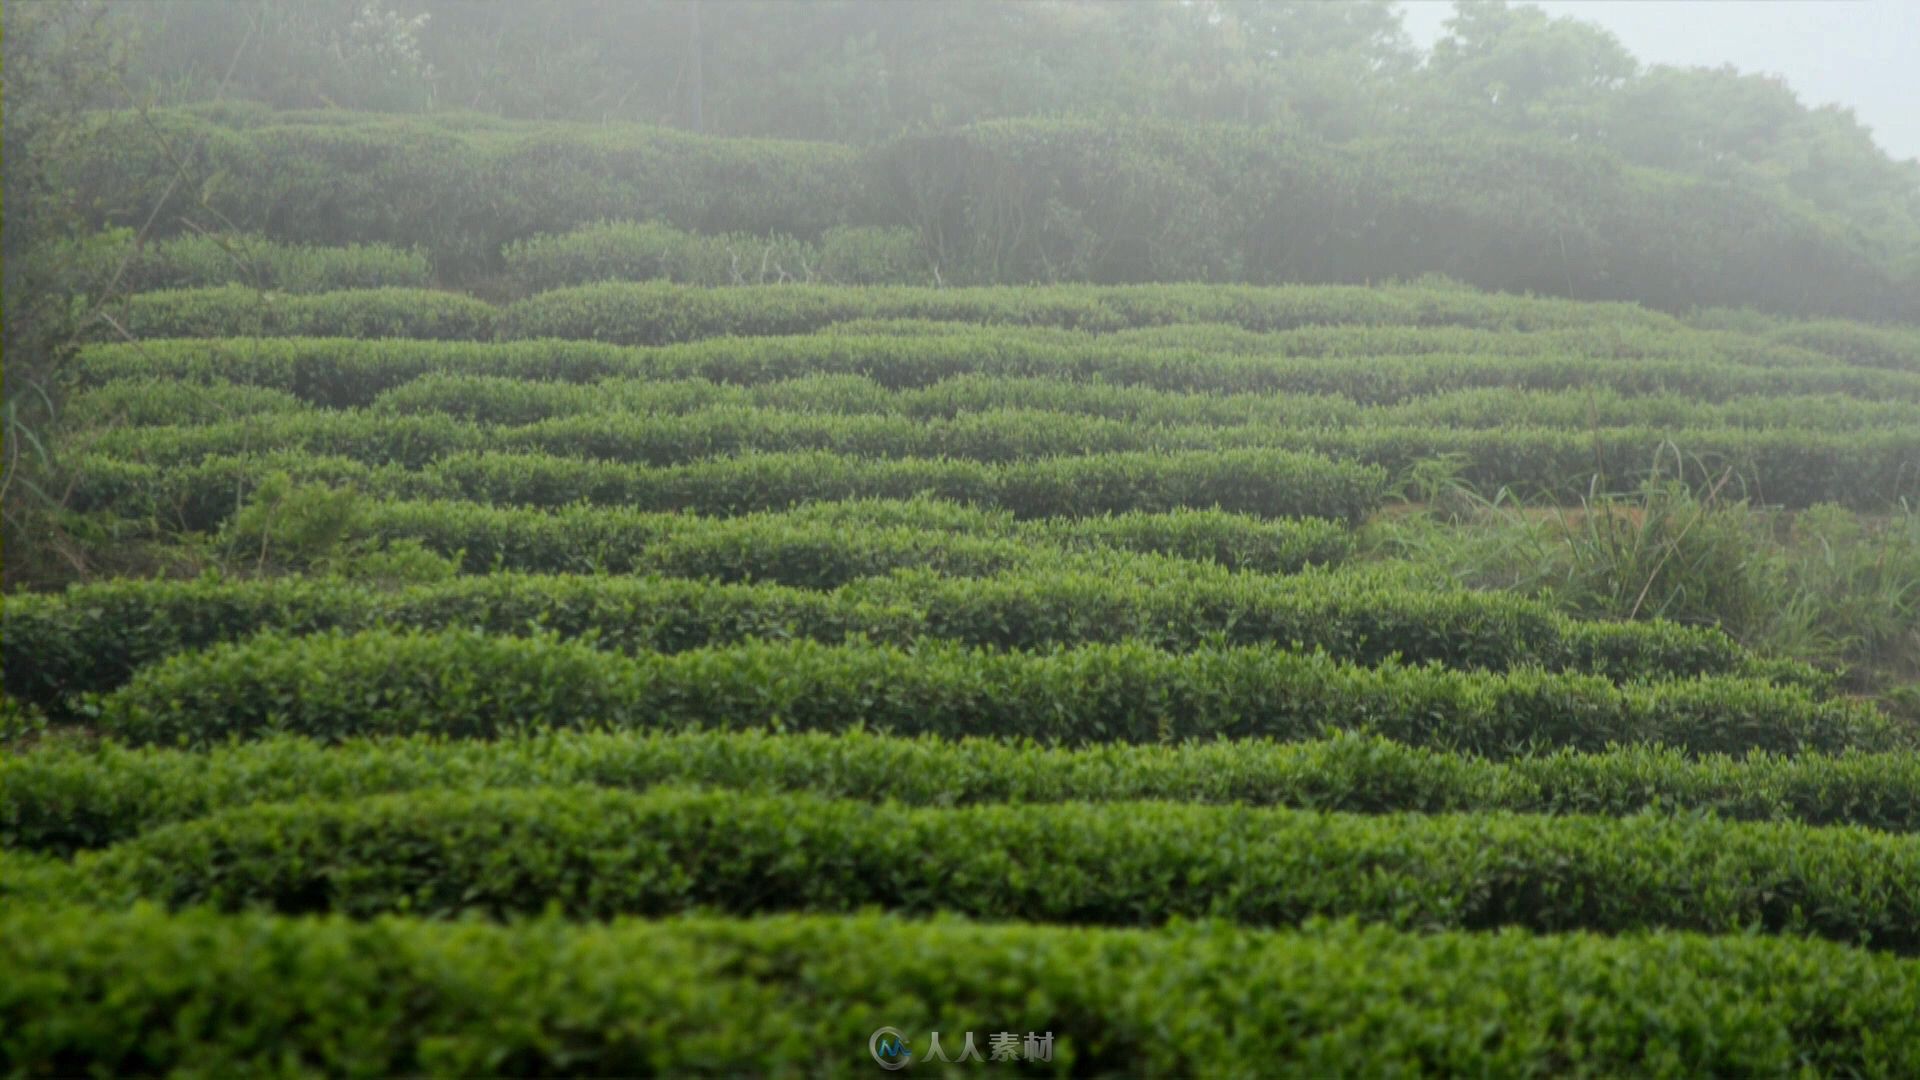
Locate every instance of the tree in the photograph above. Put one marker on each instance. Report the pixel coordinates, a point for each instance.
(1523, 68)
(60, 60)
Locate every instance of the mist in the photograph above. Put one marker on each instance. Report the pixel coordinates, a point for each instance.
(621, 538)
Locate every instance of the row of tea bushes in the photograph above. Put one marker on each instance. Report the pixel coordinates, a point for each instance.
(1339, 474)
(496, 400)
(1599, 340)
(658, 313)
(343, 372)
(93, 638)
(1892, 347)
(139, 991)
(135, 403)
(826, 544)
(465, 683)
(646, 250)
(116, 262)
(1795, 467)
(1262, 483)
(591, 852)
(239, 311)
(61, 800)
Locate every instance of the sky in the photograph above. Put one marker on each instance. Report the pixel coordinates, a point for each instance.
(1864, 54)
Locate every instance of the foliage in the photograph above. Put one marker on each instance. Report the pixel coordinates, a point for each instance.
(118, 259)
(95, 637)
(239, 310)
(642, 250)
(1788, 465)
(471, 685)
(60, 61)
(456, 188)
(600, 853)
(1017, 201)
(1264, 483)
(661, 313)
(1401, 363)
(864, 71)
(1087, 488)
(291, 523)
(1824, 585)
(65, 799)
(146, 990)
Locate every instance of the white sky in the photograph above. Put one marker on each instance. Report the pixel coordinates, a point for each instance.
(1860, 53)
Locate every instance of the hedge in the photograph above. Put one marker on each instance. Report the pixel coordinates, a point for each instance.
(202, 260)
(1894, 347)
(1092, 198)
(815, 545)
(144, 991)
(1639, 337)
(457, 189)
(35, 878)
(1796, 467)
(658, 313)
(644, 250)
(1007, 432)
(1264, 483)
(61, 800)
(140, 402)
(95, 636)
(237, 310)
(1009, 201)
(597, 853)
(826, 544)
(1002, 435)
(1793, 468)
(339, 372)
(467, 684)
(498, 400)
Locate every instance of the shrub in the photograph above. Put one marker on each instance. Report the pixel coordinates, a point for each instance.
(466, 684)
(147, 991)
(1011, 201)
(201, 260)
(94, 637)
(342, 372)
(659, 313)
(1794, 466)
(1896, 348)
(236, 310)
(1262, 483)
(455, 189)
(61, 800)
(597, 853)
(645, 250)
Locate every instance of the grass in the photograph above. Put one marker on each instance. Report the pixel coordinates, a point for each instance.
(1824, 585)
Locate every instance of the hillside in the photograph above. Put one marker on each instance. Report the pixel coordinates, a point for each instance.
(515, 592)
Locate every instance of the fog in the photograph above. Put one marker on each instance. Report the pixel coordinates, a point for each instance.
(1198, 538)
(1859, 54)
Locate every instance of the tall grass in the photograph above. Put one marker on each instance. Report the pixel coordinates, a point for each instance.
(1824, 585)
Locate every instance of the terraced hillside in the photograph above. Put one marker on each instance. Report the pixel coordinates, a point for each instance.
(969, 537)
(641, 677)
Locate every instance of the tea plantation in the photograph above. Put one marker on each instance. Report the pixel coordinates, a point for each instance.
(727, 634)
(617, 608)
